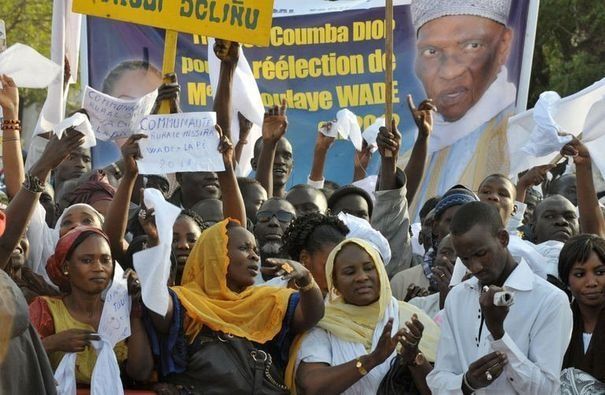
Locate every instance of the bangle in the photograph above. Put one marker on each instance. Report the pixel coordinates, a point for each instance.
(6, 126)
(11, 122)
(9, 139)
(307, 287)
(359, 366)
(33, 184)
(465, 382)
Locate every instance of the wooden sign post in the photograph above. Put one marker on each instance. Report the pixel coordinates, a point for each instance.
(388, 119)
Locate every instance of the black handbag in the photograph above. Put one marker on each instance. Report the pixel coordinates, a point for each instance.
(398, 380)
(226, 364)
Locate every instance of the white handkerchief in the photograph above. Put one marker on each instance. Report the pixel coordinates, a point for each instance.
(79, 122)
(105, 378)
(65, 375)
(545, 138)
(348, 127)
(153, 264)
(328, 129)
(27, 67)
(371, 133)
(360, 228)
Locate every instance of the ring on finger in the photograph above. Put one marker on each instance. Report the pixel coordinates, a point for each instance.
(287, 268)
(488, 376)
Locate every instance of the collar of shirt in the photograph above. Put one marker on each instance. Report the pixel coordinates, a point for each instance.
(521, 279)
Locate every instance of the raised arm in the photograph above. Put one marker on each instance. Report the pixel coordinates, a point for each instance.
(388, 140)
(361, 162)
(117, 216)
(591, 216)
(21, 207)
(244, 131)
(322, 146)
(534, 176)
(233, 202)
(414, 170)
(12, 157)
(228, 53)
(275, 125)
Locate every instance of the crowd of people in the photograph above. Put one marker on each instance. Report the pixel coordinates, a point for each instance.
(316, 289)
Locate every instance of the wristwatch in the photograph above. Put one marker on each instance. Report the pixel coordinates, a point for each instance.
(419, 360)
(360, 367)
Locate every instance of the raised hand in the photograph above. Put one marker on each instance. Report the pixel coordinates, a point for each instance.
(168, 91)
(226, 51)
(363, 157)
(275, 123)
(131, 153)
(288, 270)
(147, 221)
(388, 140)
(576, 149)
(535, 176)
(71, 340)
(423, 116)
(494, 315)
(415, 291)
(244, 127)
(9, 97)
(225, 147)
(486, 369)
(411, 337)
(134, 285)
(324, 142)
(386, 344)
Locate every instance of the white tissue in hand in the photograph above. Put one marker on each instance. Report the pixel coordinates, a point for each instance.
(348, 127)
(545, 138)
(79, 122)
(504, 298)
(371, 133)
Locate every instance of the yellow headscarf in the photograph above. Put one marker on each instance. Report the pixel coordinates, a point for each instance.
(349, 322)
(255, 314)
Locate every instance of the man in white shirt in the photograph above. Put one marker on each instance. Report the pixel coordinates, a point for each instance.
(497, 349)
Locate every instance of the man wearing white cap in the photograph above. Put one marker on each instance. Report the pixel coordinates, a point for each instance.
(462, 48)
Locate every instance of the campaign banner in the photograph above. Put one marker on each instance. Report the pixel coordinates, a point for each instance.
(247, 21)
(179, 143)
(322, 57)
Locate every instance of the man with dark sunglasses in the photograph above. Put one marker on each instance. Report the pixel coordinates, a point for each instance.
(272, 220)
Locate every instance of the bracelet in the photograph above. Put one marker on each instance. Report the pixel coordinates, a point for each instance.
(9, 139)
(307, 287)
(467, 384)
(33, 184)
(359, 366)
(11, 122)
(6, 126)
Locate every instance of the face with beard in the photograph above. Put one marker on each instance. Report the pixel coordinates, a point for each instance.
(272, 220)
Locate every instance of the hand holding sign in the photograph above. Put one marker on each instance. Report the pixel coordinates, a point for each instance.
(227, 51)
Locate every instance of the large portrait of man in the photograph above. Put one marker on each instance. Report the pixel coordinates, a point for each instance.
(462, 48)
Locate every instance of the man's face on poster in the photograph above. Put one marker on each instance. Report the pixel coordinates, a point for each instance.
(458, 59)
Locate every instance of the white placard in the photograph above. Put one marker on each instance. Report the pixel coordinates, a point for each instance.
(179, 143)
(114, 325)
(114, 118)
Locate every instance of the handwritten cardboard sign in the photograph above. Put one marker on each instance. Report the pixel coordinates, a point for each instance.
(112, 118)
(179, 143)
(246, 21)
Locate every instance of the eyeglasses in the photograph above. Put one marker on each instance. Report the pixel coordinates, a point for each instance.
(281, 215)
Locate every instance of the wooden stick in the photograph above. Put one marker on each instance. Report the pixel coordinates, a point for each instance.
(388, 26)
(170, 44)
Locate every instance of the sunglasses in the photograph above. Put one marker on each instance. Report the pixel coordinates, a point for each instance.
(281, 215)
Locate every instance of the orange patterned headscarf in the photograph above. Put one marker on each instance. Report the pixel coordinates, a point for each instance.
(255, 314)
(65, 245)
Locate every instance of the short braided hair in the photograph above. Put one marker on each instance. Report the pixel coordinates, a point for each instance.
(195, 217)
(311, 232)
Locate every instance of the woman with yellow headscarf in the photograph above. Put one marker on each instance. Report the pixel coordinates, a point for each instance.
(218, 299)
(351, 349)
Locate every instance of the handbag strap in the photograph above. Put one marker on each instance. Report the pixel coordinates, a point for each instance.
(260, 358)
